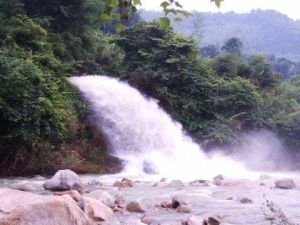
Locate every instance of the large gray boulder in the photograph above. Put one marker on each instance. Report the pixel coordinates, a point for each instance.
(285, 184)
(64, 180)
(23, 208)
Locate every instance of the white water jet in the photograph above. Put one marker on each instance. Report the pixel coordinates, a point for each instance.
(142, 133)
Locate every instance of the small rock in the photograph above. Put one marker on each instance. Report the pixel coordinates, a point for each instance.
(96, 210)
(192, 220)
(202, 183)
(285, 184)
(64, 180)
(134, 207)
(218, 180)
(246, 201)
(176, 203)
(176, 183)
(163, 179)
(102, 196)
(72, 193)
(147, 220)
(183, 209)
(166, 205)
(211, 221)
(124, 183)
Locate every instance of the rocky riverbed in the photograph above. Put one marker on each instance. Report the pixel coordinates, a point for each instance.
(118, 200)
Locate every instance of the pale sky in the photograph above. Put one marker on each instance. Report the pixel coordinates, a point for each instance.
(288, 7)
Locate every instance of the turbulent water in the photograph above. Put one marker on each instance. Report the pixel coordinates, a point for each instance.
(146, 137)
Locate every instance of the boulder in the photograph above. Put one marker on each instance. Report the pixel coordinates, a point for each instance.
(72, 193)
(166, 205)
(176, 184)
(124, 183)
(23, 208)
(200, 183)
(246, 201)
(64, 180)
(192, 220)
(285, 184)
(134, 207)
(96, 210)
(211, 221)
(176, 202)
(218, 180)
(103, 197)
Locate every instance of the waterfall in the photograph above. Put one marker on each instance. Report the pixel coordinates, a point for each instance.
(145, 136)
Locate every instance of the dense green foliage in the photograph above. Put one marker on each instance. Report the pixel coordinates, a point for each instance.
(42, 43)
(215, 99)
(216, 95)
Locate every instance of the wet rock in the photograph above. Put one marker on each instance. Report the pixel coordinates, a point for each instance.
(183, 209)
(25, 187)
(246, 201)
(134, 207)
(124, 183)
(119, 203)
(96, 210)
(64, 180)
(211, 221)
(193, 220)
(102, 196)
(166, 205)
(285, 184)
(23, 208)
(200, 183)
(72, 193)
(176, 183)
(147, 220)
(176, 202)
(218, 180)
(163, 179)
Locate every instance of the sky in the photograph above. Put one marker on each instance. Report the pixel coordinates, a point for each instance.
(288, 7)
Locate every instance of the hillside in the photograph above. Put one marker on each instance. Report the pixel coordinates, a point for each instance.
(267, 32)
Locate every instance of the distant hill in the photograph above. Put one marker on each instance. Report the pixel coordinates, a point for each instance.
(266, 32)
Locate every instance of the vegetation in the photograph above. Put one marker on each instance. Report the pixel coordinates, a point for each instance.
(216, 95)
(215, 99)
(261, 31)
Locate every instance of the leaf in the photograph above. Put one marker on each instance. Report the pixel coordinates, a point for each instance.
(119, 27)
(164, 22)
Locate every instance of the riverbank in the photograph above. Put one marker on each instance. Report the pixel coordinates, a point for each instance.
(152, 200)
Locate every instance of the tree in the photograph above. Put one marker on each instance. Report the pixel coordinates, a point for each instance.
(210, 51)
(233, 46)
